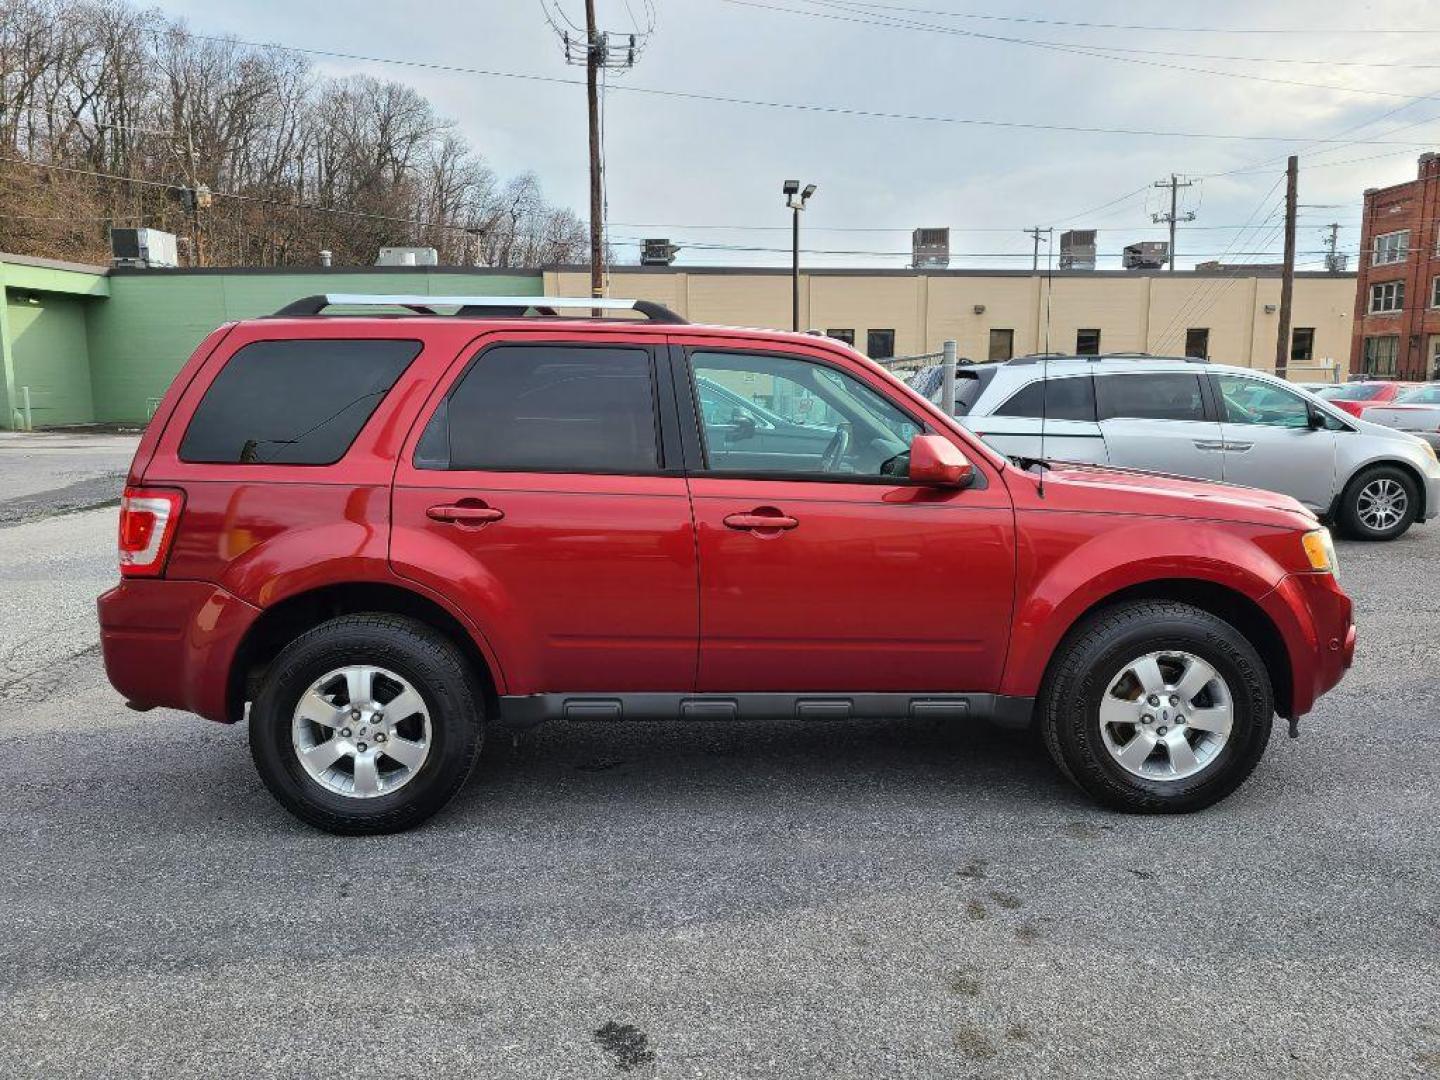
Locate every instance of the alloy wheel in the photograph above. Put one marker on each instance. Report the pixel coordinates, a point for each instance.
(361, 731)
(1166, 715)
(1382, 504)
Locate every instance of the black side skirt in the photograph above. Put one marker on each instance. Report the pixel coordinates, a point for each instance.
(523, 711)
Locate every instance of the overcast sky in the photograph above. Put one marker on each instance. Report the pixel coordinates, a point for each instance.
(679, 167)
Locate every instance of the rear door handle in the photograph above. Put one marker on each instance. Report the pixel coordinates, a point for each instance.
(464, 514)
(1239, 447)
(761, 519)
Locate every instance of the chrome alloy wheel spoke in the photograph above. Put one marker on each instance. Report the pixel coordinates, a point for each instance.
(361, 731)
(1166, 715)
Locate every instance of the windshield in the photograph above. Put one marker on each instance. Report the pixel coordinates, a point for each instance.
(1424, 395)
(1352, 392)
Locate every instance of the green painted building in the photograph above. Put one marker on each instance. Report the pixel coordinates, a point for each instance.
(87, 344)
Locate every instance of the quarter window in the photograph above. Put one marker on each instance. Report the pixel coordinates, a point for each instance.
(1390, 247)
(1387, 296)
(547, 408)
(1070, 398)
(1250, 401)
(293, 402)
(1150, 396)
(783, 414)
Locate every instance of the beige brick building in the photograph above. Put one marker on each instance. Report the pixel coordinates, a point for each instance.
(1229, 316)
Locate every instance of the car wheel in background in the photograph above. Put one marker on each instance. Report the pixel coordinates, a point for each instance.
(1156, 707)
(366, 724)
(1379, 504)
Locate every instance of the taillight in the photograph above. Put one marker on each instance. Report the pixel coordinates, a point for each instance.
(148, 517)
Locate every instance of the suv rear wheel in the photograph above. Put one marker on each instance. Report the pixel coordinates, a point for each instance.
(1379, 504)
(366, 724)
(1157, 707)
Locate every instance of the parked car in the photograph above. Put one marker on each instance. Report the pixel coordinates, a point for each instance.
(380, 538)
(1210, 421)
(1356, 397)
(1416, 411)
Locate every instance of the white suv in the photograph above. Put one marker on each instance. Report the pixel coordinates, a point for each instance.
(1199, 419)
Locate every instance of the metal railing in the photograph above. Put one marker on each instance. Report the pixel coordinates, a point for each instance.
(902, 367)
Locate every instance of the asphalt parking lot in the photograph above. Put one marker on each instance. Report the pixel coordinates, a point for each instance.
(867, 900)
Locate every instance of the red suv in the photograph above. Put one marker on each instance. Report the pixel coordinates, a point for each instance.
(389, 534)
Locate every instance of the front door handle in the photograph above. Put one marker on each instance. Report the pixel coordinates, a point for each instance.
(465, 514)
(1209, 444)
(762, 519)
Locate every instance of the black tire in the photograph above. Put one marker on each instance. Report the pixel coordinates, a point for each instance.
(1097, 650)
(1348, 514)
(419, 655)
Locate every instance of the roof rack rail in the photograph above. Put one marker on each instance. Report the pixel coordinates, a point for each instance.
(493, 307)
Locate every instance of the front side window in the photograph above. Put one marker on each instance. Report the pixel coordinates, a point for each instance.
(293, 402)
(1087, 343)
(785, 414)
(1387, 296)
(547, 408)
(1250, 401)
(1391, 247)
(1381, 353)
(1150, 396)
(1071, 398)
(880, 344)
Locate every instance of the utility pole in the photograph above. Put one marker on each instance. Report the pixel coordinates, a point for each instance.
(1334, 261)
(1287, 278)
(1035, 256)
(600, 50)
(1174, 184)
(795, 199)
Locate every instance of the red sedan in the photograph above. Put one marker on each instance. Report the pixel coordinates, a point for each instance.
(1356, 397)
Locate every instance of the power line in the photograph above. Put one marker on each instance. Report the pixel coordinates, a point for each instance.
(832, 110)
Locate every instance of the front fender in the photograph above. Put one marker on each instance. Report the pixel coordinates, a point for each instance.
(1069, 562)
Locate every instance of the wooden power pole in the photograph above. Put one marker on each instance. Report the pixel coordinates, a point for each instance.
(594, 57)
(1287, 275)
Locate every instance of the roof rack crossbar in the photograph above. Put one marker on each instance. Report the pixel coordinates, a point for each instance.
(491, 306)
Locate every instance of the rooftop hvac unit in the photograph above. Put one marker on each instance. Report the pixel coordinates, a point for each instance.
(408, 256)
(657, 253)
(1146, 255)
(1077, 249)
(930, 249)
(144, 248)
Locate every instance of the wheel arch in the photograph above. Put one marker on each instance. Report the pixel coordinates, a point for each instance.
(283, 621)
(1408, 468)
(1225, 603)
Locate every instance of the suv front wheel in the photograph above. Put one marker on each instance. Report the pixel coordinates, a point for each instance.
(366, 724)
(1156, 707)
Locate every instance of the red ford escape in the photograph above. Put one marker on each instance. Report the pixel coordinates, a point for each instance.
(384, 535)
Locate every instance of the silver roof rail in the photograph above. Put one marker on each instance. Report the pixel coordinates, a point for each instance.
(494, 307)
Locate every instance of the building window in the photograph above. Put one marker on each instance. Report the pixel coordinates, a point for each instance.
(1381, 354)
(1390, 248)
(879, 344)
(847, 336)
(1197, 341)
(1435, 292)
(1002, 344)
(1387, 296)
(1087, 342)
(1302, 345)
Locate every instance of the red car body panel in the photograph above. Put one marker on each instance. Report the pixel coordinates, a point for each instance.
(579, 582)
(1386, 391)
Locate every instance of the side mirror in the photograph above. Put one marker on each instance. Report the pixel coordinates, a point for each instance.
(1316, 420)
(936, 461)
(744, 426)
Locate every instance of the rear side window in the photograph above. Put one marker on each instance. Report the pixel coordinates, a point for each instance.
(1055, 399)
(1154, 396)
(547, 408)
(293, 402)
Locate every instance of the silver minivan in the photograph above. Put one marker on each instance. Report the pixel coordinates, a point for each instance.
(1194, 418)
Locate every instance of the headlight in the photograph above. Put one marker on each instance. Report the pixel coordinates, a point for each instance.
(1320, 550)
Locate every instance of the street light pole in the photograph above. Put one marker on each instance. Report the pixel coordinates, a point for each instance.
(795, 199)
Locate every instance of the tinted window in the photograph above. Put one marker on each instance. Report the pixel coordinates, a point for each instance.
(1249, 401)
(1157, 396)
(788, 415)
(547, 408)
(880, 344)
(293, 402)
(1353, 392)
(1055, 399)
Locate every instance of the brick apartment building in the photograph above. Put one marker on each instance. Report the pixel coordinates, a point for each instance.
(1397, 293)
